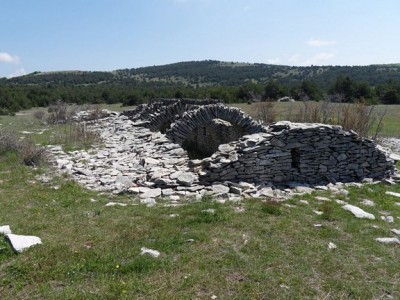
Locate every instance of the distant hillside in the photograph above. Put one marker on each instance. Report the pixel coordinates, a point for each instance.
(211, 73)
(227, 81)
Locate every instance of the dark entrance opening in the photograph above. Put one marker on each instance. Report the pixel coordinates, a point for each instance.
(295, 153)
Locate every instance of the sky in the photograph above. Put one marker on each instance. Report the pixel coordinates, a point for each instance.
(105, 35)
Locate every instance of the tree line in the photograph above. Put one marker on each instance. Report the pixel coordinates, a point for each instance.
(15, 97)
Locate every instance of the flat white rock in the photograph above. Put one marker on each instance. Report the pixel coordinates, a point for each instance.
(367, 202)
(393, 194)
(151, 193)
(331, 246)
(151, 252)
(20, 243)
(5, 229)
(116, 204)
(395, 231)
(388, 219)
(388, 240)
(148, 201)
(358, 212)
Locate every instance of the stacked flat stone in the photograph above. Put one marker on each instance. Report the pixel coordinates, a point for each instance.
(191, 120)
(144, 112)
(293, 152)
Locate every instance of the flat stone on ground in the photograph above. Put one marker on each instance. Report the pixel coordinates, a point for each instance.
(151, 193)
(358, 212)
(186, 178)
(5, 229)
(20, 243)
(388, 240)
(393, 194)
(220, 189)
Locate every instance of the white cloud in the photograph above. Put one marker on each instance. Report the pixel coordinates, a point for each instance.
(319, 58)
(320, 43)
(273, 61)
(8, 58)
(18, 72)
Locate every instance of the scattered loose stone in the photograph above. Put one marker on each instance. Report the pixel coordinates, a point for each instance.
(317, 225)
(395, 231)
(239, 209)
(220, 189)
(116, 204)
(393, 194)
(151, 252)
(148, 201)
(388, 240)
(20, 243)
(210, 211)
(173, 215)
(284, 286)
(317, 212)
(341, 202)
(304, 201)
(151, 193)
(388, 219)
(358, 212)
(186, 178)
(331, 246)
(368, 202)
(320, 198)
(5, 229)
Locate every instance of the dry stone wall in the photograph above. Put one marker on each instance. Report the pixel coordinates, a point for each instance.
(158, 114)
(237, 148)
(292, 152)
(192, 120)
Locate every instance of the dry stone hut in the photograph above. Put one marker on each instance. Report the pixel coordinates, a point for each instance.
(233, 147)
(294, 152)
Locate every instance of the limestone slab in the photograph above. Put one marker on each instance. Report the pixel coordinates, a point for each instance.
(20, 243)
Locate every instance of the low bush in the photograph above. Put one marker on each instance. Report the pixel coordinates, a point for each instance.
(29, 153)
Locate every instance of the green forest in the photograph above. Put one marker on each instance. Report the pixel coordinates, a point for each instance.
(228, 81)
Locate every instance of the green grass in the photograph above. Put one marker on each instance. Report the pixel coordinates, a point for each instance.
(269, 251)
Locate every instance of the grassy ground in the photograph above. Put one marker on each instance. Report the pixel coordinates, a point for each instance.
(255, 249)
(268, 251)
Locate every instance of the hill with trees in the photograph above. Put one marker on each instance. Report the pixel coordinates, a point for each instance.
(229, 81)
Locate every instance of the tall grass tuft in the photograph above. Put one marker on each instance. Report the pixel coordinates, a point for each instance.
(75, 136)
(358, 116)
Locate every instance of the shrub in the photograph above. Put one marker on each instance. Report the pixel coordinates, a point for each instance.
(29, 153)
(266, 111)
(60, 113)
(39, 114)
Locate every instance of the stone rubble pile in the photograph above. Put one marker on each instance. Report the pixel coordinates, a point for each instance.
(284, 160)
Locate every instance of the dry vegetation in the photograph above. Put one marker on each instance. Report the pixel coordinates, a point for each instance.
(367, 121)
